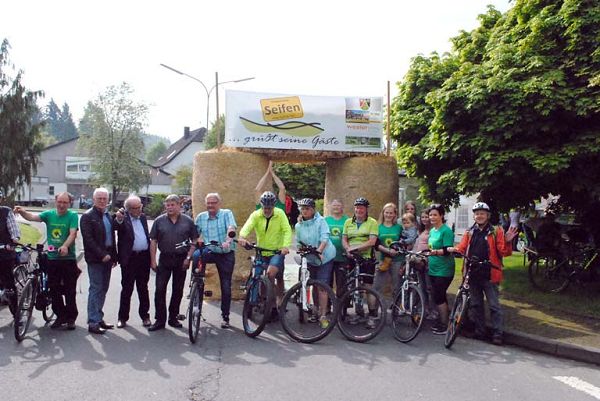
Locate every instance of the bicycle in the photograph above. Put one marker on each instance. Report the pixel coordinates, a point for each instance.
(554, 271)
(301, 310)
(9, 296)
(459, 310)
(35, 291)
(408, 307)
(259, 293)
(351, 316)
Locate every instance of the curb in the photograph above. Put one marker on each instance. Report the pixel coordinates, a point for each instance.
(552, 347)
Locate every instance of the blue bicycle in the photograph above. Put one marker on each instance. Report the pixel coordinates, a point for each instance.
(259, 293)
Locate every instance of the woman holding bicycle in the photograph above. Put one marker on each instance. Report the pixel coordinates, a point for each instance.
(391, 263)
(486, 243)
(441, 264)
(312, 229)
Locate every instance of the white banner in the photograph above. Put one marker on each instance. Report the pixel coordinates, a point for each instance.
(322, 123)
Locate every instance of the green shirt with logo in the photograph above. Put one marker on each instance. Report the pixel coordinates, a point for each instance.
(441, 266)
(57, 229)
(336, 226)
(387, 235)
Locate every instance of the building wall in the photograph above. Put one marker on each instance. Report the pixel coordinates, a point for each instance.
(186, 157)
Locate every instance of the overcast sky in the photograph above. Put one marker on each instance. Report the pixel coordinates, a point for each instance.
(72, 50)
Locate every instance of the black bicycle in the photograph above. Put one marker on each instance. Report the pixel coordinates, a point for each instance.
(354, 322)
(259, 293)
(408, 308)
(34, 292)
(460, 308)
(308, 309)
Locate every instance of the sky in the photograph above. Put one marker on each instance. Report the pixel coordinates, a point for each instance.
(73, 50)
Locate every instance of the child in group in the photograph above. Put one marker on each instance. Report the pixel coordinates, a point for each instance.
(409, 231)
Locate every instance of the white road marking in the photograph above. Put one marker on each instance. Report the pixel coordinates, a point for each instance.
(580, 385)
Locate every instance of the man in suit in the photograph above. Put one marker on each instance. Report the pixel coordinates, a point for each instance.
(134, 257)
(100, 255)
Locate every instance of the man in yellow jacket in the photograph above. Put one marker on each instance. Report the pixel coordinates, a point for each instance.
(273, 231)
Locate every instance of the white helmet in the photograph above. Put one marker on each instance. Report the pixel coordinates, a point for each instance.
(481, 206)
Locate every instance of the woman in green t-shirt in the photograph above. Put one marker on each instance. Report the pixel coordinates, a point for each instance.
(391, 262)
(441, 264)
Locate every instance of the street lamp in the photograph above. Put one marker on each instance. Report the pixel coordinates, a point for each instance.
(208, 92)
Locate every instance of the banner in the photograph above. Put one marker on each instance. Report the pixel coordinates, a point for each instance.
(321, 123)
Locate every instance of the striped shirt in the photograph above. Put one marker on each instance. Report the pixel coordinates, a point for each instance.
(215, 228)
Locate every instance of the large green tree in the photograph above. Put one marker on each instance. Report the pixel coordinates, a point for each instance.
(19, 126)
(512, 113)
(59, 123)
(111, 131)
(183, 180)
(155, 152)
(218, 128)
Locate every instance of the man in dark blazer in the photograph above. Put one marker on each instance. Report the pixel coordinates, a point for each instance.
(134, 257)
(100, 255)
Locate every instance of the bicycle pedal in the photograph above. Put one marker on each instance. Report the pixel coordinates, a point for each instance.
(208, 293)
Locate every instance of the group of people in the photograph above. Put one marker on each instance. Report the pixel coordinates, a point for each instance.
(336, 236)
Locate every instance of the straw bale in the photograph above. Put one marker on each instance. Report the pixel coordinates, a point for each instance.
(234, 176)
(373, 177)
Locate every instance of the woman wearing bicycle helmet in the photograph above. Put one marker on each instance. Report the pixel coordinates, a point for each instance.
(360, 234)
(312, 229)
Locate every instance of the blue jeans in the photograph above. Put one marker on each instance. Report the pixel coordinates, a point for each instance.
(493, 299)
(99, 274)
(225, 263)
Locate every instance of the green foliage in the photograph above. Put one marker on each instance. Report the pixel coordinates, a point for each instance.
(302, 180)
(59, 123)
(210, 141)
(155, 207)
(111, 131)
(511, 113)
(29, 234)
(183, 180)
(320, 206)
(19, 127)
(155, 152)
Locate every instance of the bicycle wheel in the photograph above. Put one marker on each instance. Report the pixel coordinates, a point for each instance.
(20, 273)
(363, 314)
(257, 306)
(25, 309)
(456, 318)
(549, 274)
(195, 311)
(308, 326)
(408, 311)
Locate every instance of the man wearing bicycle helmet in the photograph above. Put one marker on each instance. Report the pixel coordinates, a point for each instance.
(9, 233)
(273, 231)
(360, 234)
(487, 243)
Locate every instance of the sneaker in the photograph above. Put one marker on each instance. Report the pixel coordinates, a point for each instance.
(58, 323)
(439, 329)
(371, 322)
(497, 339)
(353, 319)
(312, 319)
(225, 324)
(324, 322)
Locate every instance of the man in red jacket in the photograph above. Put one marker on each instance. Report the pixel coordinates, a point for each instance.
(486, 242)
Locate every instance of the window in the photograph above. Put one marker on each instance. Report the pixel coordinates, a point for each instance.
(84, 168)
(462, 218)
(51, 190)
(72, 168)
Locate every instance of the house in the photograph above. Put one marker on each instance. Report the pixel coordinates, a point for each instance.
(182, 152)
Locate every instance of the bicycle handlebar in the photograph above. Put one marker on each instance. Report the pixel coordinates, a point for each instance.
(306, 249)
(249, 246)
(475, 260)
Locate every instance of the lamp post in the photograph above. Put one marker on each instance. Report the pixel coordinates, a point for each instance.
(208, 92)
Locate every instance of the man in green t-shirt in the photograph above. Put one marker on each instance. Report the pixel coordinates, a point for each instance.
(61, 231)
(336, 221)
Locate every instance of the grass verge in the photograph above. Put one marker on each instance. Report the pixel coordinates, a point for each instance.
(29, 234)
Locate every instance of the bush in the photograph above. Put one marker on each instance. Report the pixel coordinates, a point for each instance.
(319, 206)
(155, 207)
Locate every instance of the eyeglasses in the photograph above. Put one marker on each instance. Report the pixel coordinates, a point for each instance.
(135, 207)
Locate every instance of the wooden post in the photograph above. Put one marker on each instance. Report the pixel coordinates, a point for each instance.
(217, 120)
(389, 140)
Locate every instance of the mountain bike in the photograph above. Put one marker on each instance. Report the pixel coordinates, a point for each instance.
(573, 262)
(35, 291)
(308, 309)
(408, 308)
(259, 293)
(460, 308)
(352, 321)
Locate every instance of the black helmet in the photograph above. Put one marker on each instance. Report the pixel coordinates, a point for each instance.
(361, 202)
(307, 202)
(268, 199)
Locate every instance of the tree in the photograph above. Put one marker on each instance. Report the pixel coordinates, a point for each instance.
(512, 113)
(59, 123)
(302, 180)
(183, 180)
(19, 127)
(210, 141)
(155, 152)
(111, 131)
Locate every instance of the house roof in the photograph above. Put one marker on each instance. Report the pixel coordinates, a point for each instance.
(61, 143)
(196, 135)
